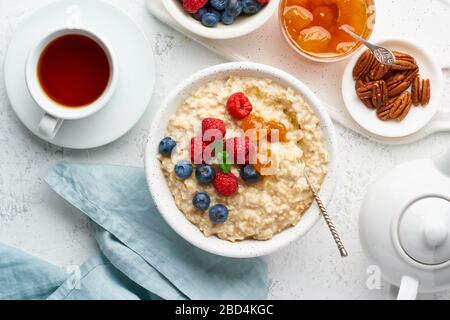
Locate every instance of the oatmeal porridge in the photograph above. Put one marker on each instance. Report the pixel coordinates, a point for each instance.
(258, 206)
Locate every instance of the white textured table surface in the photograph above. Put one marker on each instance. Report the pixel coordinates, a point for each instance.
(36, 220)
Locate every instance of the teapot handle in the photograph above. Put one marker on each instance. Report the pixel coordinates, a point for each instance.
(408, 288)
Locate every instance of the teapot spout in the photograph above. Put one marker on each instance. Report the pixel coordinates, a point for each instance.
(443, 163)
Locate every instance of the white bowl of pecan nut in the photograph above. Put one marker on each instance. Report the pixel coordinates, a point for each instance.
(396, 101)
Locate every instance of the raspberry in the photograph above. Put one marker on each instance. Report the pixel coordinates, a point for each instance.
(226, 184)
(197, 149)
(263, 1)
(239, 106)
(216, 126)
(242, 150)
(192, 6)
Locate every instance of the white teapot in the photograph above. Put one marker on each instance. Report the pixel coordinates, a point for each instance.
(404, 226)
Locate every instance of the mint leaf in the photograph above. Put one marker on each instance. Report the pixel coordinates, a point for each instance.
(225, 167)
(224, 162)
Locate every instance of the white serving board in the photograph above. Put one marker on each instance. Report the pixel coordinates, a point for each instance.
(418, 20)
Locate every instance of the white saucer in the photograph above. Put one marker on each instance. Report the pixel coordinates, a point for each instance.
(418, 117)
(135, 60)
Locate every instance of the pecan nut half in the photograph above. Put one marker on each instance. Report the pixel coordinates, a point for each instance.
(411, 74)
(395, 78)
(379, 94)
(404, 56)
(404, 61)
(358, 84)
(383, 112)
(378, 71)
(363, 65)
(421, 91)
(364, 91)
(416, 90)
(426, 92)
(400, 106)
(367, 101)
(397, 88)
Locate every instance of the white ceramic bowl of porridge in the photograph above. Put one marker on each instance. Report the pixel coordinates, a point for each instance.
(172, 196)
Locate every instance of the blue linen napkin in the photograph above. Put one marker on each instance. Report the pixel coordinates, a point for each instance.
(141, 256)
(25, 277)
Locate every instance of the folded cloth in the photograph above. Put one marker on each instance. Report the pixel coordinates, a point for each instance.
(141, 256)
(25, 277)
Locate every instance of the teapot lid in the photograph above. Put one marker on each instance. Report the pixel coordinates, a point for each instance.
(424, 231)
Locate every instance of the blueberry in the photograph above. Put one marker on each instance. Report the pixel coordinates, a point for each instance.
(215, 12)
(166, 146)
(250, 6)
(219, 4)
(210, 19)
(218, 214)
(227, 18)
(199, 14)
(205, 173)
(234, 8)
(183, 169)
(201, 201)
(249, 174)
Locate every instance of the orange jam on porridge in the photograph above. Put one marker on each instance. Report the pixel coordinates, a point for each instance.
(263, 133)
(314, 26)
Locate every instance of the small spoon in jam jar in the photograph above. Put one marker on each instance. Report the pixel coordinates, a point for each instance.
(383, 55)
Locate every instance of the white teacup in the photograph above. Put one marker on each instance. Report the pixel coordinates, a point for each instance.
(55, 113)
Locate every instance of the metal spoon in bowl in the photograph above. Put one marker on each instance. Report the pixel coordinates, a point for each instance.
(327, 218)
(383, 55)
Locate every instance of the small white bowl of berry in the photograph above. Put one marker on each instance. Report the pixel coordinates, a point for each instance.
(221, 19)
(233, 207)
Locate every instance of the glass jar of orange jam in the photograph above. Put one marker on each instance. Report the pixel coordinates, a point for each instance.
(313, 27)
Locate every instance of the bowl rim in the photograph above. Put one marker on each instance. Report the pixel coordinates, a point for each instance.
(226, 32)
(157, 182)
